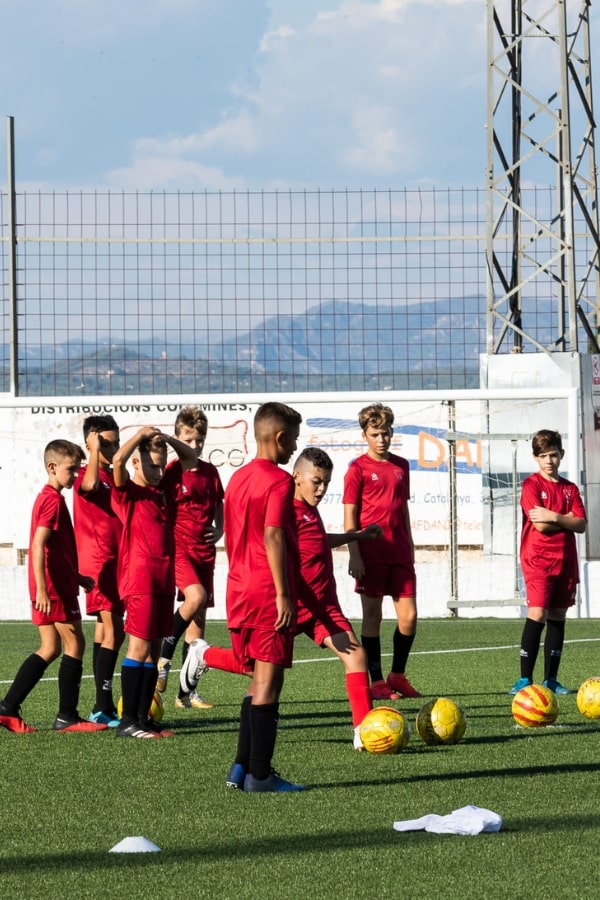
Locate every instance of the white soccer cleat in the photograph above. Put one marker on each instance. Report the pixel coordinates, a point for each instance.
(358, 744)
(194, 665)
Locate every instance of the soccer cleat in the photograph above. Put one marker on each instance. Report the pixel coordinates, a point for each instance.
(380, 690)
(198, 702)
(556, 687)
(155, 728)
(77, 724)
(400, 683)
(134, 731)
(164, 667)
(14, 723)
(519, 685)
(236, 777)
(358, 744)
(193, 666)
(273, 784)
(111, 720)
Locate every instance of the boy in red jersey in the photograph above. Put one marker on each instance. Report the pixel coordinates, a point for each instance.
(145, 570)
(197, 494)
(98, 532)
(319, 615)
(54, 582)
(553, 513)
(377, 489)
(260, 538)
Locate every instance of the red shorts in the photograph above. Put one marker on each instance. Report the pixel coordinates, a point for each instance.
(149, 616)
(60, 612)
(187, 572)
(550, 592)
(331, 620)
(251, 644)
(394, 580)
(97, 601)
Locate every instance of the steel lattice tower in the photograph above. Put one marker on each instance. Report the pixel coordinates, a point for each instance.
(542, 244)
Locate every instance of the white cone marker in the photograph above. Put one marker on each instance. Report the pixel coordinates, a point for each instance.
(135, 845)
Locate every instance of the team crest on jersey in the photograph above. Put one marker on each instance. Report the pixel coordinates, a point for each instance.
(544, 495)
(374, 476)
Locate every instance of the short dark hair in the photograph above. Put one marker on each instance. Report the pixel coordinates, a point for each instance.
(546, 440)
(60, 449)
(98, 424)
(278, 415)
(316, 457)
(154, 444)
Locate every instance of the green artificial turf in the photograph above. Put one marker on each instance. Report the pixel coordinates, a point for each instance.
(68, 798)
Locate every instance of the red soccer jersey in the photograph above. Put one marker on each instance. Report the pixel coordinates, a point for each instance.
(61, 566)
(316, 583)
(146, 551)
(380, 490)
(196, 494)
(97, 532)
(555, 553)
(258, 495)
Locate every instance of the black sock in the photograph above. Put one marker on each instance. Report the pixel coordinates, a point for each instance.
(25, 680)
(263, 733)
(184, 652)
(178, 628)
(103, 673)
(402, 646)
(95, 651)
(242, 755)
(372, 647)
(553, 644)
(69, 682)
(132, 673)
(530, 645)
(148, 686)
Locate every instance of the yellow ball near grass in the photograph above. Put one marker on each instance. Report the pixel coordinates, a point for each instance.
(588, 698)
(534, 706)
(441, 721)
(384, 730)
(156, 711)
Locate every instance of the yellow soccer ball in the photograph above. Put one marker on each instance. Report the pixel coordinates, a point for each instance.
(441, 721)
(156, 711)
(534, 706)
(384, 730)
(588, 698)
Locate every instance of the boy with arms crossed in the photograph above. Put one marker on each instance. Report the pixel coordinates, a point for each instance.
(54, 582)
(98, 532)
(145, 570)
(553, 513)
(377, 489)
(197, 494)
(260, 539)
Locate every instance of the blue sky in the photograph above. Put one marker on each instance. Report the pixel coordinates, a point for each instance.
(194, 94)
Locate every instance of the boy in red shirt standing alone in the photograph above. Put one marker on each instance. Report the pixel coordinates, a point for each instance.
(377, 490)
(553, 513)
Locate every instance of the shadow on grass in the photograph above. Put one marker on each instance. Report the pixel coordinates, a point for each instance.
(280, 845)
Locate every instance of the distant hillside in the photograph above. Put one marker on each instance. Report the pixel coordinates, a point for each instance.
(332, 346)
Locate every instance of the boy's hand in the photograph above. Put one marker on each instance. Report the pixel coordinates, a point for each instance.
(212, 534)
(286, 614)
(43, 603)
(86, 582)
(371, 532)
(92, 442)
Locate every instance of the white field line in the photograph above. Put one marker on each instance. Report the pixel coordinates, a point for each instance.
(333, 658)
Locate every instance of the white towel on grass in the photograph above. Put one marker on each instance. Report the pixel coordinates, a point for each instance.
(466, 820)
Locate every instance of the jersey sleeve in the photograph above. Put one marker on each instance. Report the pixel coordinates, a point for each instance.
(352, 484)
(48, 511)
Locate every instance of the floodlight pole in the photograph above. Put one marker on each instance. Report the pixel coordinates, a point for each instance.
(12, 257)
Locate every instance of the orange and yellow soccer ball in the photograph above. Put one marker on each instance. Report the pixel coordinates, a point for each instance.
(384, 730)
(534, 706)
(588, 698)
(156, 711)
(441, 721)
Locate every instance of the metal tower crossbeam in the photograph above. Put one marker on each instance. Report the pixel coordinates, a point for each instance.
(542, 246)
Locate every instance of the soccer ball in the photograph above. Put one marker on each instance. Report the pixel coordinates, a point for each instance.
(441, 721)
(588, 698)
(156, 711)
(534, 706)
(384, 730)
